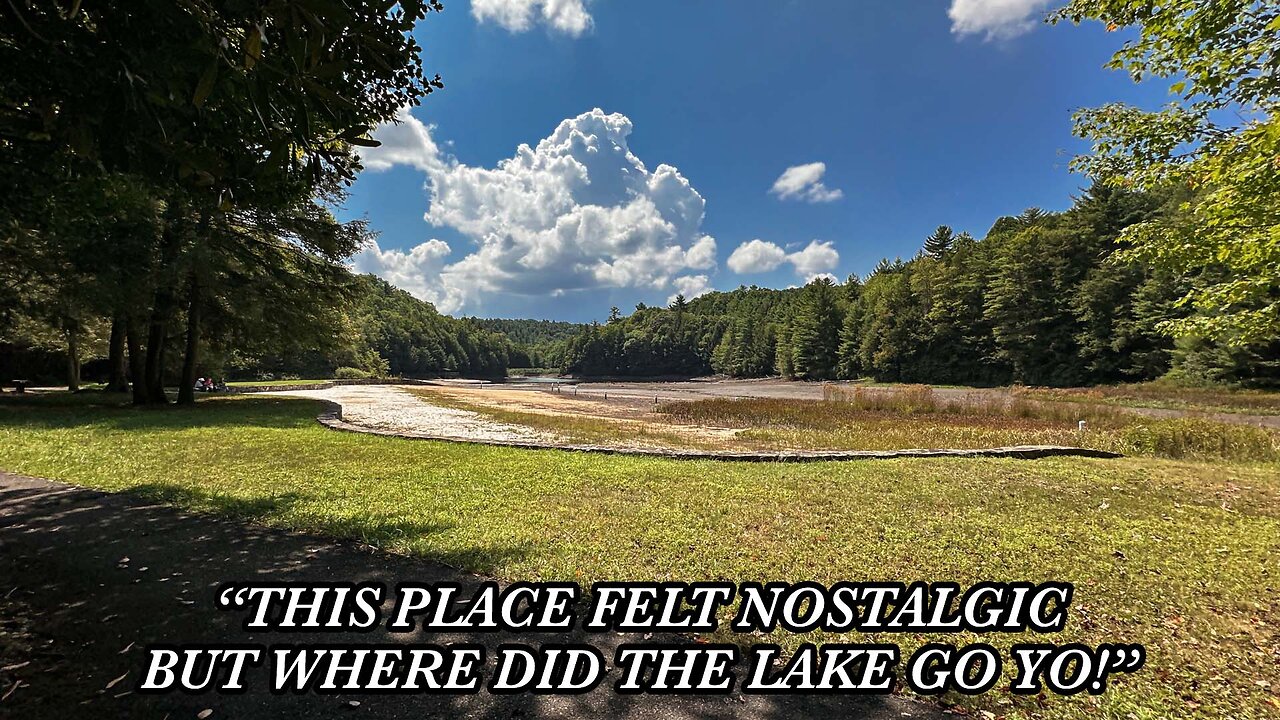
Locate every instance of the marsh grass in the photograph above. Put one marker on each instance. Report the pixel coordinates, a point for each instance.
(1179, 556)
(1163, 395)
(914, 416)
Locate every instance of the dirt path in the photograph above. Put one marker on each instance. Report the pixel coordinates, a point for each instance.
(88, 579)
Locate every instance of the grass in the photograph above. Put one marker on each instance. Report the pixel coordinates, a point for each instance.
(891, 420)
(1180, 556)
(256, 383)
(1165, 395)
(914, 416)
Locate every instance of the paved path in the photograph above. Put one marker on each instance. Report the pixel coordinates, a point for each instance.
(87, 579)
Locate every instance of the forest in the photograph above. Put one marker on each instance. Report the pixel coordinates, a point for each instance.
(166, 211)
(1041, 299)
(167, 191)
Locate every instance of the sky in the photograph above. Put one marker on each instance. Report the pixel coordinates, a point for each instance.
(594, 153)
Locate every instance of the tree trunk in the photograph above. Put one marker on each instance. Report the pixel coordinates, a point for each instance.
(118, 381)
(137, 363)
(157, 336)
(73, 359)
(186, 390)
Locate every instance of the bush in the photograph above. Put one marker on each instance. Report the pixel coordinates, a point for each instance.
(350, 373)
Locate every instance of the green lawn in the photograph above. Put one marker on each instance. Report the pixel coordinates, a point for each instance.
(256, 383)
(1182, 556)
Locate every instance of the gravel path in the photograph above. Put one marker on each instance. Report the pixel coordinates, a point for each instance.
(391, 408)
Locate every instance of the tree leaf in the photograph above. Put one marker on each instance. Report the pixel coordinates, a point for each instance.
(206, 85)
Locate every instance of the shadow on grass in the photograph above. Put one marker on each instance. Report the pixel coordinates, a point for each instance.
(370, 529)
(99, 577)
(53, 411)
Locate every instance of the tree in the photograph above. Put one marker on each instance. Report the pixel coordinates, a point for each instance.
(1219, 142)
(679, 305)
(940, 242)
(815, 340)
(239, 120)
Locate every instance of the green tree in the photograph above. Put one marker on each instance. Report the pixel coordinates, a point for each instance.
(940, 242)
(815, 339)
(1219, 141)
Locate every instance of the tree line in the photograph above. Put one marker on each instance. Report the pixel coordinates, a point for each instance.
(1042, 298)
(1168, 264)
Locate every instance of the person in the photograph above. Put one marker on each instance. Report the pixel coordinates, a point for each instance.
(199, 384)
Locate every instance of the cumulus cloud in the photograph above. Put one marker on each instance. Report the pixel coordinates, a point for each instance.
(407, 141)
(759, 256)
(567, 16)
(756, 256)
(415, 271)
(995, 19)
(691, 286)
(578, 211)
(828, 276)
(817, 257)
(804, 182)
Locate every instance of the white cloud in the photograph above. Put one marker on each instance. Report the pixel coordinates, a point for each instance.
(804, 182)
(691, 286)
(405, 142)
(567, 16)
(996, 19)
(828, 276)
(578, 211)
(759, 256)
(817, 257)
(756, 256)
(415, 271)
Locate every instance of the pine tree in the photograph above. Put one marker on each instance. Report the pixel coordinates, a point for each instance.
(850, 341)
(939, 244)
(816, 334)
(679, 305)
(782, 363)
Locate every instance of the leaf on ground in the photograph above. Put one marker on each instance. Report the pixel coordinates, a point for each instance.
(115, 682)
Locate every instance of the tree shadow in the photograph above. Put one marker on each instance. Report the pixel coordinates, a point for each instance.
(61, 411)
(98, 577)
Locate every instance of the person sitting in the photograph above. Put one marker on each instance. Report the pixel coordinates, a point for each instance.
(199, 385)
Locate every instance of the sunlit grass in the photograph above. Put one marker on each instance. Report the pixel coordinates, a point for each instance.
(914, 417)
(274, 383)
(1164, 395)
(1181, 556)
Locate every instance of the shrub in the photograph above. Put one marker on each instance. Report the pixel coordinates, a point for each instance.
(350, 373)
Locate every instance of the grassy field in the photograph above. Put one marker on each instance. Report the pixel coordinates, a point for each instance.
(1165, 395)
(1181, 556)
(256, 383)
(891, 419)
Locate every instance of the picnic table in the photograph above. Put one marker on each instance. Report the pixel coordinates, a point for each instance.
(20, 385)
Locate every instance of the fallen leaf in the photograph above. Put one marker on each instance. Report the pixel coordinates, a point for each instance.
(115, 682)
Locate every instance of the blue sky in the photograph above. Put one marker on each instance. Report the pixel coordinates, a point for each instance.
(892, 117)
